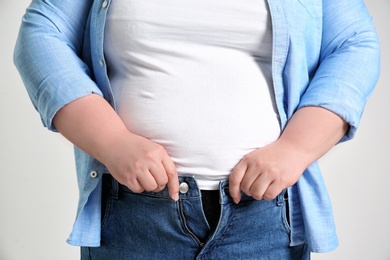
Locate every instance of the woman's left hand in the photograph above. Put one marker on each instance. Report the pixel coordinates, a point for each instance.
(266, 171)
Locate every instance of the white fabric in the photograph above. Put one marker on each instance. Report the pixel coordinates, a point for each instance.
(195, 77)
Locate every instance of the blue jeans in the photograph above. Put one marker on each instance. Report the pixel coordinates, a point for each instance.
(150, 225)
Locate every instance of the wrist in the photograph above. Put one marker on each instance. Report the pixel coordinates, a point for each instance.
(299, 156)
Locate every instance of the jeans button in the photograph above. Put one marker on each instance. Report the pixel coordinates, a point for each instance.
(183, 188)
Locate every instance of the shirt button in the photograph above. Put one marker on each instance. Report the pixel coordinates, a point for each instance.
(93, 174)
(104, 4)
(101, 62)
(183, 188)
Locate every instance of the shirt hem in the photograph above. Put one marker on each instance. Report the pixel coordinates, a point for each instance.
(82, 244)
(324, 249)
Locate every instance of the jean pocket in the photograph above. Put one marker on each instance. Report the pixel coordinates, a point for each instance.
(313, 7)
(107, 211)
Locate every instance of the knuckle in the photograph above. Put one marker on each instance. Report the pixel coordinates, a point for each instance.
(155, 153)
(137, 190)
(245, 188)
(258, 163)
(257, 195)
(273, 170)
(137, 165)
(133, 184)
(246, 192)
(149, 155)
(161, 187)
(269, 196)
(158, 149)
(151, 187)
(246, 159)
(161, 182)
(129, 182)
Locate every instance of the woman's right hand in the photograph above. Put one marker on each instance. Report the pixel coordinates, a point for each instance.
(134, 161)
(141, 164)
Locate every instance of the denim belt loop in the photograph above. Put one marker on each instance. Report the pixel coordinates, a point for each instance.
(280, 198)
(224, 192)
(115, 188)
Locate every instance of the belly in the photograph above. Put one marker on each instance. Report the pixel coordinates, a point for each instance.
(207, 120)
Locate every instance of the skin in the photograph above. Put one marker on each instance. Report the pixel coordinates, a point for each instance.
(140, 164)
(265, 172)
(136, 162)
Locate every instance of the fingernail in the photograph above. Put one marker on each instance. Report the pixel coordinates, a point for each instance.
(175, 197)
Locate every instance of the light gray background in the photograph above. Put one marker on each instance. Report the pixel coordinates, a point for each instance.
(38, 192)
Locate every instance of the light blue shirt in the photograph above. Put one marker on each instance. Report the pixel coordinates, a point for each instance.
(325, 53)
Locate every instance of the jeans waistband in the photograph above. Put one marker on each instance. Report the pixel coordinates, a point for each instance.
(189, 190)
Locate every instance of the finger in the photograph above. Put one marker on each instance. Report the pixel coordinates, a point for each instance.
(147, 181)
(134, 185)
(235, 179)
(159, 174)
(173, 180)
(273, 190)
(261, 185)
(251, 175)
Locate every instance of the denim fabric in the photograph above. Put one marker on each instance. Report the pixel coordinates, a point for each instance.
(325, 53)
(153, 226)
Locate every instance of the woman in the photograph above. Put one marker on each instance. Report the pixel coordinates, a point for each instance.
(204, 120)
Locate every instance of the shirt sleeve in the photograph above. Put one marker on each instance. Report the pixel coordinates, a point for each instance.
(47, 55)
(349, 63)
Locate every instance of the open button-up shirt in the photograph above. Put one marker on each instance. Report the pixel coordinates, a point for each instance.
(325, 53)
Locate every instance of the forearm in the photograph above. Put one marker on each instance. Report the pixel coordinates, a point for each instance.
(141, 164)
(311, 132)
(90, 123)
(265, 172)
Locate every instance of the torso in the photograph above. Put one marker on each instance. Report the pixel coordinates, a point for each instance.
(195, 77)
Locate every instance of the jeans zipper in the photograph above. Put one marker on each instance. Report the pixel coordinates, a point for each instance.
(192, 234)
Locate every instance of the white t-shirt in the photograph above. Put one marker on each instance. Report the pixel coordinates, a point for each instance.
(195, 77)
